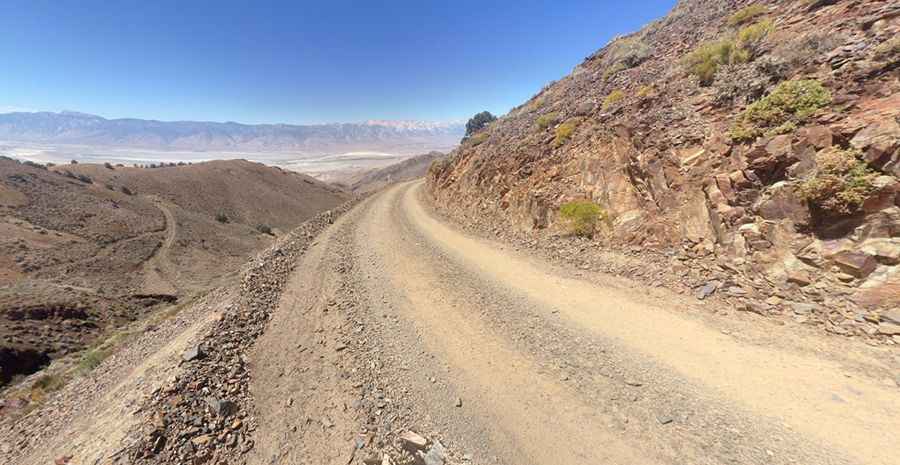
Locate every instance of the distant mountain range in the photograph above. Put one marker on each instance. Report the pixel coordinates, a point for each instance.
(69, 127)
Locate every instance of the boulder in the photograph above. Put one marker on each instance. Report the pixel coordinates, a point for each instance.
(412, 441)
(723, 182)
(885, 250)
(856, 263)
(880, 144)
(779, 202)
(222, 408)
(780, 146)
(707, 290)
(818, 136)
(884, 223)
(739, 179)
(884, 194)
(891, 316)
(192, 353)
(889, 329)
(800, 277)
(436, 454)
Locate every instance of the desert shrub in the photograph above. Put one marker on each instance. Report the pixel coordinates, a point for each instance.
(49, 383)
(746, 82)
(887, 50)
(564, 131)
(221, 217)
(790, 104)
(478, 139)
(613, 98)
(109, 186)
(69, 174)
(74, 162)
(264, 228)
(126, 191)
(478, 122)
(613, 70)
(705, 60)
(85, 179)
(108, 166)
(841, 183)
(92, 359)
(749, 39)
(746, 14)
(645, 91)
(50, 165)
(581, 216)
(546, 120)
(45, 385)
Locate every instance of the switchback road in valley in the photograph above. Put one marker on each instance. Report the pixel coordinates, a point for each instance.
(512, 360)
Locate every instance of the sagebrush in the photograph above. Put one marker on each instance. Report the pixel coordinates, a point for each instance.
(746, 14)
(546, 120)
(582, 216)
(791, 103)
(564, 131)
(743, 47)
(841, 183)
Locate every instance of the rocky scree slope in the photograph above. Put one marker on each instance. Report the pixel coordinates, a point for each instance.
(750, 147)
(208, 413)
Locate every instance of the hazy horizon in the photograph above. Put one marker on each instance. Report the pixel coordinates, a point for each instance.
(311, 63)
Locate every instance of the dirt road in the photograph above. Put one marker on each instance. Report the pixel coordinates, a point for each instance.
(159, 275)
(395, 319)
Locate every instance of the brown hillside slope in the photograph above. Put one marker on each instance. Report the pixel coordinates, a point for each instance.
(86, 248)
(406, 170)
(748, 208)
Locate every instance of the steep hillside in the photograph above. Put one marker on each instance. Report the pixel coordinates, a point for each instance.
(750, 146)
(406, 170)
(86, 247)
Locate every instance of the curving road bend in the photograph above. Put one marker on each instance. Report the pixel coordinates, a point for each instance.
(513, 360)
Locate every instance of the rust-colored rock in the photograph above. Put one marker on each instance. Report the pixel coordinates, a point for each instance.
(858, 264)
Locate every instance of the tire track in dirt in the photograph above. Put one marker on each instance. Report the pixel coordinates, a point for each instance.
(815, 397)
(159, 273)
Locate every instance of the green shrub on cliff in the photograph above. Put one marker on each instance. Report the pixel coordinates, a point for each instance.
(743, 47)
(613, 70)
(790, 104)
(705, 60)
(613, 98)
(477, 139)
(581, 216)
(546, 120)
(746, 14)
(841, 183)
(565, 130)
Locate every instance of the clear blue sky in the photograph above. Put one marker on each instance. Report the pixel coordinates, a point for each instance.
(295, 61)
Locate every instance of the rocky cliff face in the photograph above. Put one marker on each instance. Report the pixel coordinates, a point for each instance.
(762, 137)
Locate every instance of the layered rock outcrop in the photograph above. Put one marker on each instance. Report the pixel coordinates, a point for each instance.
(658, 149)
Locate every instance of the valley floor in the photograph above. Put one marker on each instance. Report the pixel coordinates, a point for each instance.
(396, 321)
